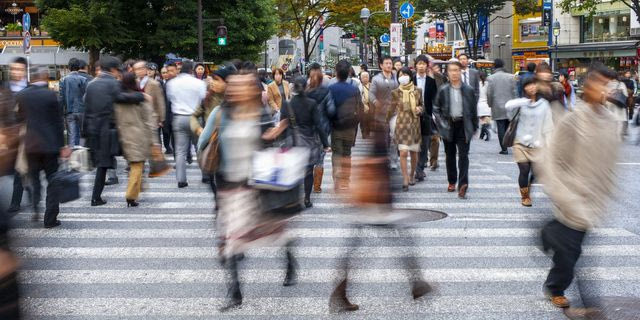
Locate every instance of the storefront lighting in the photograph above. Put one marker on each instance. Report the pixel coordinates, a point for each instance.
(13, 9)
(600, 21)
(612, 19)
(624, 18)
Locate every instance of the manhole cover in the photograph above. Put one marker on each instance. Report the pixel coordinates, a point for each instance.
(607, 308)
(419, 215)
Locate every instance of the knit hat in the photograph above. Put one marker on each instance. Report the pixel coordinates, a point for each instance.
(223, 73)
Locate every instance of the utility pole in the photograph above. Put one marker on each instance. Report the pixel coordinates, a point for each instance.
(200, 40)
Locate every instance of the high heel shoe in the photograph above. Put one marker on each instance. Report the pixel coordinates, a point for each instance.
(132, 203)
(97, 202)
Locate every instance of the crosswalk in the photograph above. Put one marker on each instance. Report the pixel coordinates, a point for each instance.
(159, 261)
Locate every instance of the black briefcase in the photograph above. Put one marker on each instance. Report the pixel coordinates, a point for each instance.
(66, 184)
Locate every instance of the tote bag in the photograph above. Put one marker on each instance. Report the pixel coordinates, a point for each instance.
(510, 134)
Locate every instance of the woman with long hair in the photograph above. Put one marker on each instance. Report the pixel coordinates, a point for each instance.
(406, 102)
(484, 112)
(278, 91)
(569, 91)
(135, 130)
(201, 72)
(535, 125)
(244, 221)
(326, 108)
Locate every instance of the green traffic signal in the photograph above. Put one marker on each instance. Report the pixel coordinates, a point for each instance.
(222, 41)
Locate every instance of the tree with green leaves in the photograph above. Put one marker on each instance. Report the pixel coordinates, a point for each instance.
(467, 15)
(591, 6)
(89, 25)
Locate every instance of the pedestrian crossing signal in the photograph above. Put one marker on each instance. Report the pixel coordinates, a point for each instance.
(222, 41)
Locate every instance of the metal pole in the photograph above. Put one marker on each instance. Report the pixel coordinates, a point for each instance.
(393, 6)
(366, 37)
(555, 68)
(266, 48)
(200, 40)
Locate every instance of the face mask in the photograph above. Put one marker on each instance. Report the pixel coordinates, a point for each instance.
(403, 80)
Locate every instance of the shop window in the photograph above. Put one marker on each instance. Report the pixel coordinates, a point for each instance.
(531, 30)
(603, 28)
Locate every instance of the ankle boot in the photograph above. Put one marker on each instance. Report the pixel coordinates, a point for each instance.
(291, 277)
(235, 295)
(338, 302)
(526, 199)
(487, 132)
(482, 133)
(318, 172)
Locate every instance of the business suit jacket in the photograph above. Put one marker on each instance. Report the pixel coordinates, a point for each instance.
(501, 87)
(45, 127)
(273, 92)
(474, 81)
(442, 111)
(429, 92)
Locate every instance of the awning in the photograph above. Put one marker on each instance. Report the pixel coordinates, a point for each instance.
(43, 55)
(598, 49)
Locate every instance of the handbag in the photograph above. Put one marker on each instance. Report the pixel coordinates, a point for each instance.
(510, 134)
(66, 184)
(158, 165)
(209, 158)
(618, 98)
(9, 142)
(80, 159)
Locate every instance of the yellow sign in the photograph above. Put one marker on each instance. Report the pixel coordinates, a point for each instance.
(34, 42)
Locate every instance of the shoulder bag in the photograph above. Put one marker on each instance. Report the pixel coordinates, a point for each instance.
(209, 159)
(510, 134)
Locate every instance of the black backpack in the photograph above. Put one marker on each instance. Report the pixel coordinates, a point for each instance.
(348, 113)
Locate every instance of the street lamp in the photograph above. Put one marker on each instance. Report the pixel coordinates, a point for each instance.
(502, 43)
(365, 14)
(556, 33)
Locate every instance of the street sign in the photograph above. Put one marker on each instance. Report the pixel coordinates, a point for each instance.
(222, 41)
(395, 32)
(385, 38)
(386, 44)
(26, 22)
(26, 43)
(407, 10)
(386, 6)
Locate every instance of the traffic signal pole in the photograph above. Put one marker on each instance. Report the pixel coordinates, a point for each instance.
(200, 40)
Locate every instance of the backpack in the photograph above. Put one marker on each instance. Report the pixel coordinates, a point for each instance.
(347, 114)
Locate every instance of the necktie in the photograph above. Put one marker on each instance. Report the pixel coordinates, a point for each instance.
(466, 80)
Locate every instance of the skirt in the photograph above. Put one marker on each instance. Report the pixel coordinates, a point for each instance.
(412, 148)
(523, 153)
(242, 224)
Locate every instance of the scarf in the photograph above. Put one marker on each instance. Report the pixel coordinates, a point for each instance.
(567, 89)
(408, 97)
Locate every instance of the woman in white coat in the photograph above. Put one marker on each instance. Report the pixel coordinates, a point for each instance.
(484, 112)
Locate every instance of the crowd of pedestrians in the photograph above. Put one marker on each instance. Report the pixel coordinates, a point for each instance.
(134, 109)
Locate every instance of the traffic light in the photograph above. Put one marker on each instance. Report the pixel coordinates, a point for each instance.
(348, 36)
(410, 46)
(221, 32)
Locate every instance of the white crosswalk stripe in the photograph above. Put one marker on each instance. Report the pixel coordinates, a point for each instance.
(160, 261)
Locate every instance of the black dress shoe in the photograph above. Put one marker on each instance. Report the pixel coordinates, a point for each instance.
(111, 181)
(98, 202)
(169, 151)
(419, 289)
(55, 224)
(182, 184)
(504, 152)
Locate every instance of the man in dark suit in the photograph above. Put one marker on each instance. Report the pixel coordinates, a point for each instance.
(429, 90)
(470, 76)
(457, 118)
(17, 82)
(44, 139)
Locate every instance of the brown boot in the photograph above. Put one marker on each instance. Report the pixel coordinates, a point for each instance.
(318, 172)
(338, 302)
(526, 199)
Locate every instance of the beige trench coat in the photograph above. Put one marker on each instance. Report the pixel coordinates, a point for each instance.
(136, 126)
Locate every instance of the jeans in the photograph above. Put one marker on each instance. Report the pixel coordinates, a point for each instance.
(460, 146)
(566, 244)
(424, 154)
(48, 163)
(502, 128)
(74, 127)
(182, 138)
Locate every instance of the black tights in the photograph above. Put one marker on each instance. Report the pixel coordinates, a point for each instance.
(98, 183)
(308, 182)
(525, 170)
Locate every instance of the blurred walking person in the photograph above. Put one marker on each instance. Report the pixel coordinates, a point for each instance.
(44, 139)
(501, 87)
(317, 91)
(434, 146)
(456, 110)
(72, 89)
(578, 173)
(365, 121)
(10, 124)
(380, 100)
(150, 86)
(535, 125)
(303, 118)
(569, 91)
(136, 123)
(406, 104)
(343, 125)
(166, 131)
(242, 122)
(429, 87)
(99, 125)
(617, 96)
(551, 90)
(186, 94)
(17, 82)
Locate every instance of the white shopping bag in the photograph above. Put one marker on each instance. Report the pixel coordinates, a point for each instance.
(279, 169)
